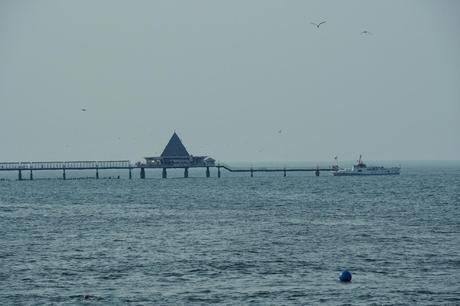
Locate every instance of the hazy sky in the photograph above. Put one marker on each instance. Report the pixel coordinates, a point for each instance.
(237, 80)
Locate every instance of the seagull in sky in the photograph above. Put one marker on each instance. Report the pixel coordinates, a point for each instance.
(318, 24)
(83, 109)
(366, 32)
(280, 131)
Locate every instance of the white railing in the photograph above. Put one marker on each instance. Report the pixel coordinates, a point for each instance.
(66, 164)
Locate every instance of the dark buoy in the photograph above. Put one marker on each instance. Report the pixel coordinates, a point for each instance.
(345, 276)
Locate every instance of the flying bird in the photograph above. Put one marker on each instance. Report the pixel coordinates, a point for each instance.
(83, 109)
(366, 32)
(318, 24)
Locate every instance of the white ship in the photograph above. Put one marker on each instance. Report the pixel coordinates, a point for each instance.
(362, 169)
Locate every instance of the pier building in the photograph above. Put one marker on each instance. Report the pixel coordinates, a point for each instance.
(175, 155)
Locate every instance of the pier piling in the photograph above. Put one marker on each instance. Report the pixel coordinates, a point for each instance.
(20, 175)
(208, 174)
(130, 174)
(142, 175)
(185, 172)
(31, 175)
(63, 174)
(164, 174)
(218, 171)
(97, 173)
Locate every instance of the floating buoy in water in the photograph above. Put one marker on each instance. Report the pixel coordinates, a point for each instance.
(345, 276)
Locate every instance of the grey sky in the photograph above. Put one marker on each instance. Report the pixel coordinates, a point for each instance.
(228, 76)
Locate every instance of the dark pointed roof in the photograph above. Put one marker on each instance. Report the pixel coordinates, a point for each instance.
(174, 148)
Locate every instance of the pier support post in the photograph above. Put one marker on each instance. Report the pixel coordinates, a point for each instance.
(31, 175)
(164, 174)
(63, 174)
(142, 173)
(252, 172)
(208, 174)
(130, 174)
(20, 175)
(218, 172)
(97, 173)
(185, 172)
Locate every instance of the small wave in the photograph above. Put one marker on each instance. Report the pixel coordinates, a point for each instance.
(203, 299)
(86, 297)
(112, 276)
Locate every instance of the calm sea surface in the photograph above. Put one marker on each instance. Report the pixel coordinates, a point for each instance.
(267, 240)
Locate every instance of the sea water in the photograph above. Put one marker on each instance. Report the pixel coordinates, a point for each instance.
(237, 240)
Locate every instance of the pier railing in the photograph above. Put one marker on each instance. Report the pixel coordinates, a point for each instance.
(71, 165)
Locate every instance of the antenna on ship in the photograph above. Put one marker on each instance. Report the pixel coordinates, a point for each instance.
(336, 165)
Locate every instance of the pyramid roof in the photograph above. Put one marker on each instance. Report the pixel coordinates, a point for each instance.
(174, 148)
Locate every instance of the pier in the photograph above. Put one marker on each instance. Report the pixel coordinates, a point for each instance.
(26, 170)
(174, 156)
